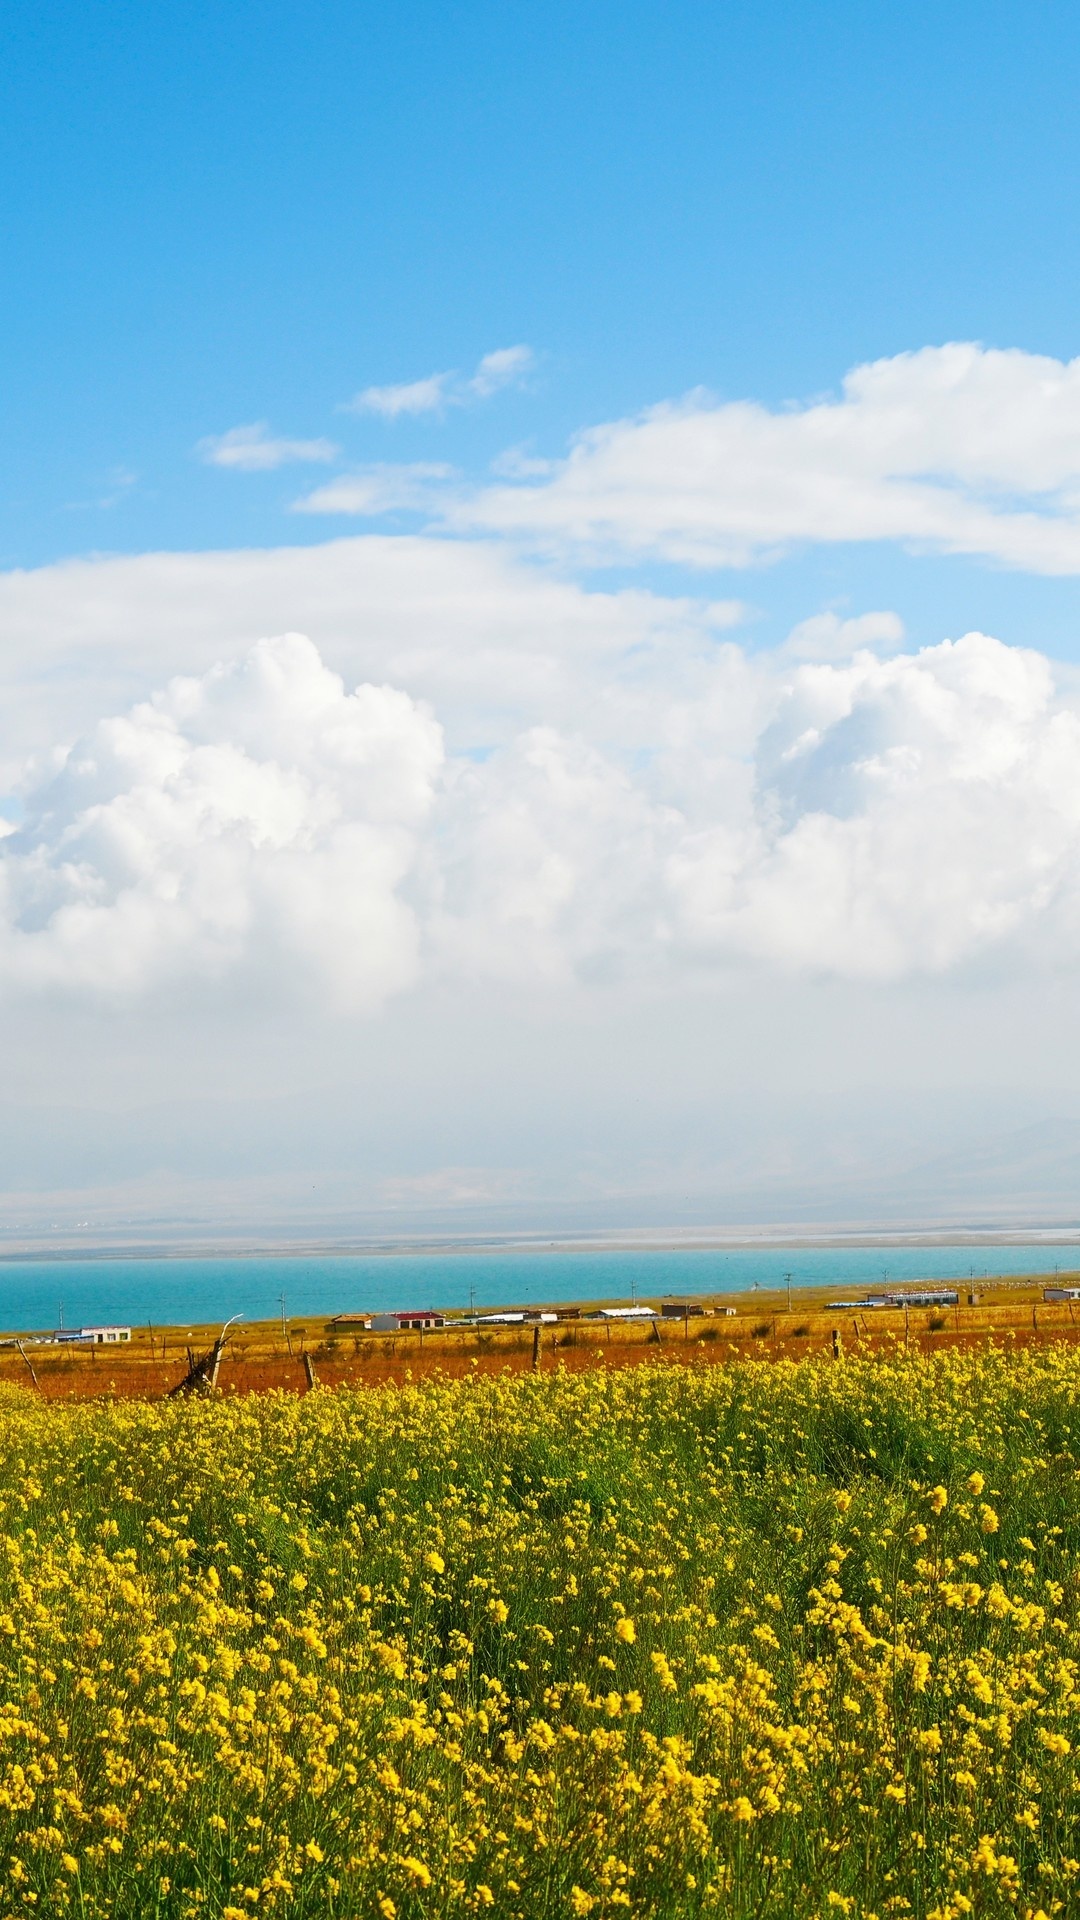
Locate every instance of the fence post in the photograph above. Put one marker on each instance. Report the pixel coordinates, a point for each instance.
(26, 1357)
(536, 1347)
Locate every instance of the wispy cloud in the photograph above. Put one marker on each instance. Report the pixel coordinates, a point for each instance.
(117, 483)
(503, 368)
(506, 367)
(254, 449)
(429, 395)
(955, 449)
(825, 636)
(377, 489)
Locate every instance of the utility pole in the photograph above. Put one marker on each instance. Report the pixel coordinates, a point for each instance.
(61, 1316)
(787, 1277)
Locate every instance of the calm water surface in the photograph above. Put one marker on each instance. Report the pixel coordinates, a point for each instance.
(173, 1292)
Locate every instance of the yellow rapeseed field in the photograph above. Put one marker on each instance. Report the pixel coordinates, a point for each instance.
(750, 1641)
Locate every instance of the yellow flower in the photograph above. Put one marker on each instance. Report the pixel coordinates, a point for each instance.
(314, 1852)
(418, 1873)
(742, 1810)
(662, 1669)
(435, 1562)
(625, 1630)
(988, 1519)
(975, 1483)
(580, 1901)
(939, 1499)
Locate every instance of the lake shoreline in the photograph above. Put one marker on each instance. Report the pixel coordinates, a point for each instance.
(645, 1241)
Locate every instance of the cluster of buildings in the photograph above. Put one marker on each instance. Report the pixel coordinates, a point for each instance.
(422, 1320)
(937, 1297)
(905, 1297)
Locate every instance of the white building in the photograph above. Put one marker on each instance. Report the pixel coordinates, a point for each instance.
(93, 1336)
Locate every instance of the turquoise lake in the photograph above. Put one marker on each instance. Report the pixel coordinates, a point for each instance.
(175, 1291)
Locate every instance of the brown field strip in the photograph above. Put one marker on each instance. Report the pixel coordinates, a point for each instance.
(258, 1360)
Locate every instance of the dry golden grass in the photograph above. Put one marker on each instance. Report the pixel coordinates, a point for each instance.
(259, 1358)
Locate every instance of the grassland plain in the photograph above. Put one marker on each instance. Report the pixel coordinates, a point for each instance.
(799, 1639)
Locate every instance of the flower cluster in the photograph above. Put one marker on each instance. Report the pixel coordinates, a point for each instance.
(792, 1640)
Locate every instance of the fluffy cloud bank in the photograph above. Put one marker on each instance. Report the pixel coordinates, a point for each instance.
(258, 819)
(258, 823)
(909, 815)
(955, 449)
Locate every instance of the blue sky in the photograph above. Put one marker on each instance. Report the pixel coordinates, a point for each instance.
(226, 213)
(538, 578)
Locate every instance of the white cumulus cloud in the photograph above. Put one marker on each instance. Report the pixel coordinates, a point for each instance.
(876, 819)
(662, 815)
(257, 820)
(909, 815)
